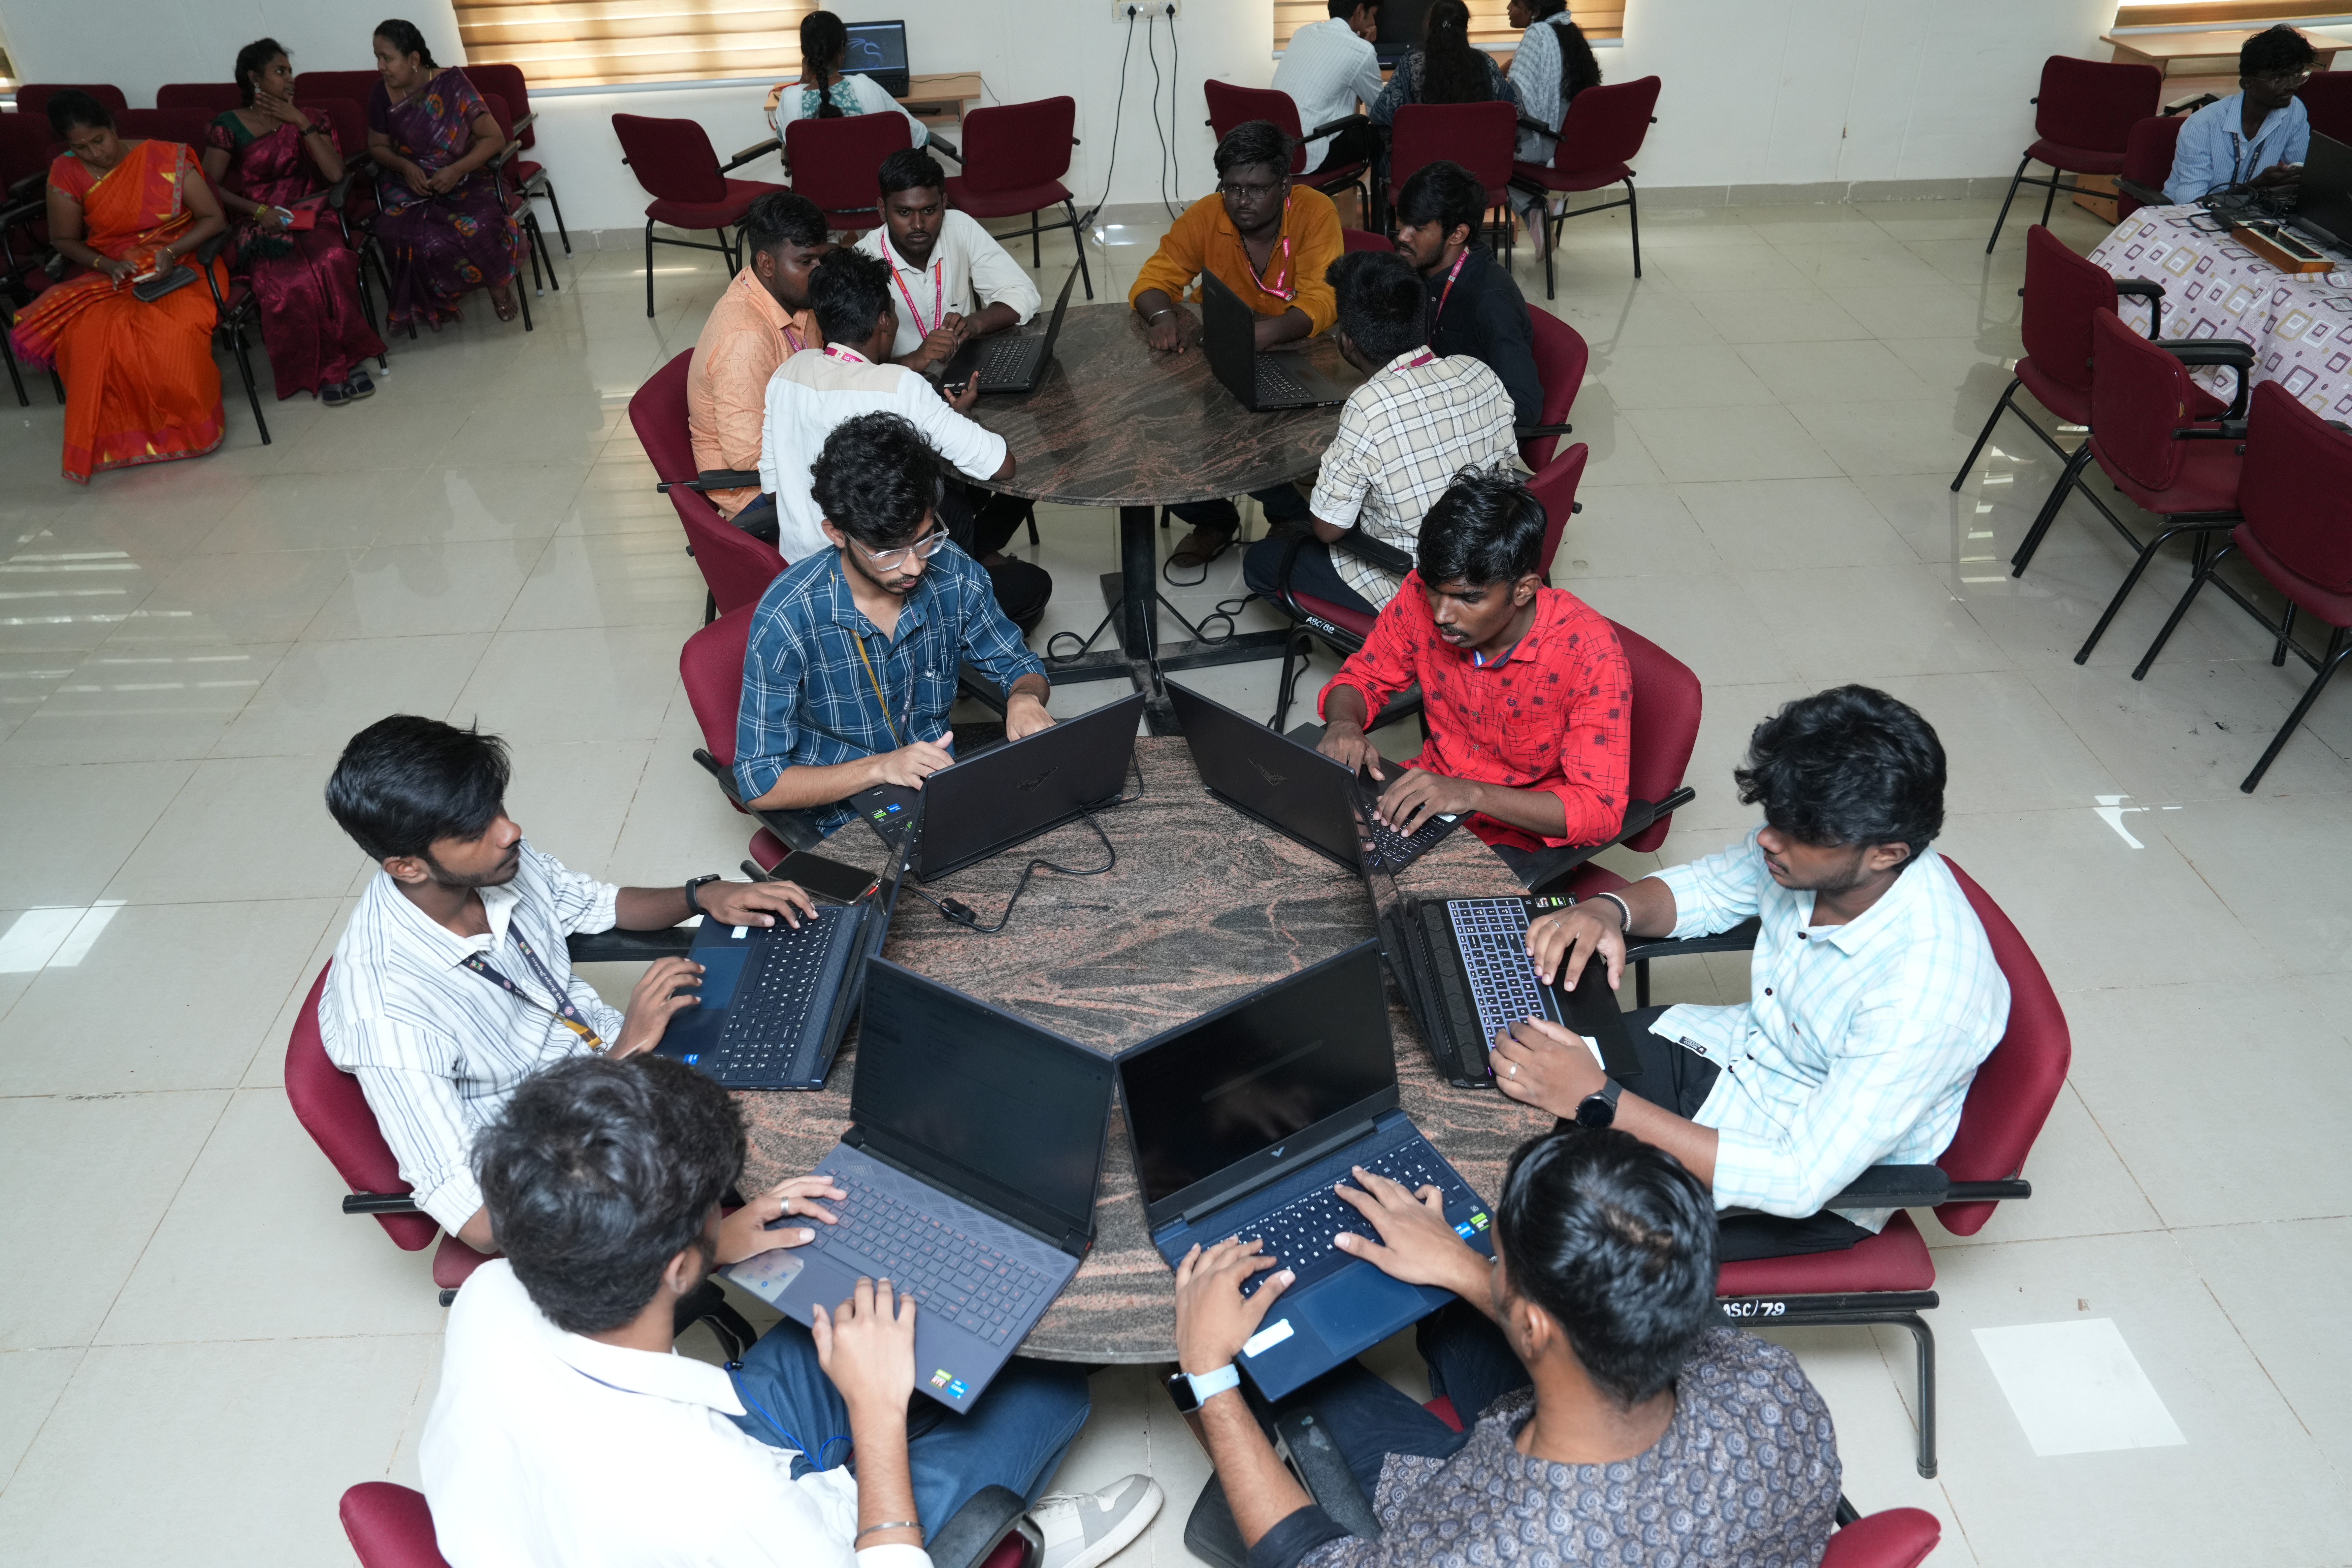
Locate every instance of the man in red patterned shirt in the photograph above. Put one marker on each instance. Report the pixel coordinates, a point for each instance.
(1528, 697)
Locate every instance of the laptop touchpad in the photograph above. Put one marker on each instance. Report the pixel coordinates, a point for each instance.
(1368, 1307)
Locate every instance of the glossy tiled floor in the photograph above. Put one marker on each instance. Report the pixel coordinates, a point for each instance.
(197, 1352)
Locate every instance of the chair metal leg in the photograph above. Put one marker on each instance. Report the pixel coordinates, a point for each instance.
(2005, 200)
(14, 379)
(245, 370)
(1641, 983)
(1079, 238)
(1984, 434)
(2339, 646)
(2068, 478)
(1925, 1338)
(1294, 654)
(1633, 222)
(2131, 577)
(2139, 671)
(649, 267)
(2285, 637)
(557, 208)
(1551, 243)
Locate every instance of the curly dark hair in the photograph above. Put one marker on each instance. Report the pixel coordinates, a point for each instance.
(1384, 308)
(849, 290)
(1452, 70)
(1252, 143)
(2278, 47)
(877, 479)
(1849, 765)
(1487, 528)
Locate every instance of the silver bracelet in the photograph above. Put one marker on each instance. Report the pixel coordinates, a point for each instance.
(887, 1524)
(1155, 315)
(1623, 909)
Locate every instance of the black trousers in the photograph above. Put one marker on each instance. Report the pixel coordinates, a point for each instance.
(983, 522)
(1356, 144)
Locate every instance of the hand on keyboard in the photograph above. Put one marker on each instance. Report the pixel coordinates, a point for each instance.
(1418, 795)
(1214, 1319)
(664, 990)
(764, 1223)
(1415, 1242)
(1540, 1064)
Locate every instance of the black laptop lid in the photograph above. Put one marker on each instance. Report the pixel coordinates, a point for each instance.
(1296, 787)
(1009, 793)
(1219, 1100)
(2324, 201)
(1229, 338)
(1005, 1113)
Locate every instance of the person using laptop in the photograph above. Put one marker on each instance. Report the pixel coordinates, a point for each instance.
(2256, 138)
(762, 319)
(1601, 1391)
(941, 260)
(1528, 697)
(1874, 994)
(1417, 421)
(852, 296)
(452, 983)
(1271, 243)
(1475, 307)
(851, 662)
(566, 1430)
(1328, 69)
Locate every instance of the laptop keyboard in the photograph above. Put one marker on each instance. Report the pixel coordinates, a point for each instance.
(1008, 358)
(1277, 384)
(1299, 1233)
(1491, 934)
(768, 1018)
(982, 1290)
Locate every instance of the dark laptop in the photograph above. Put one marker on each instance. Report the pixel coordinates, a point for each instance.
(1008, 794)
(1008, 363)
(972, 1167)
(775, 1000)
(1244, 1119)
(1262, 382)
(878, 49)
(1293, 788)
(1464, 968)
(2323, 206)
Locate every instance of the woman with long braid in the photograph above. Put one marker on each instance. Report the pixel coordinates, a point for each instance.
(822, 92)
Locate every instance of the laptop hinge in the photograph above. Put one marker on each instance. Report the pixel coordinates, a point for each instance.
(1297, 1157)
(1071, 1241)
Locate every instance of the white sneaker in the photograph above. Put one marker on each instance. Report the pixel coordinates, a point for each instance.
(1081, 1532)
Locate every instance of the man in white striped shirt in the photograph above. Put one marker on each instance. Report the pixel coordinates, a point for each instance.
(1874, 994)
(1327, 68)
(452, 983)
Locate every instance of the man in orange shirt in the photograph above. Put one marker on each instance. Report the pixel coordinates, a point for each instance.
(1269, 241)
(761, 320)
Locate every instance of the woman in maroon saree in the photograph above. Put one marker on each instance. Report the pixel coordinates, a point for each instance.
(444, 227)
(263, 159)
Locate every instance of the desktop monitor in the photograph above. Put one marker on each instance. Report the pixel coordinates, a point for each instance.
(1403, 24)
(878, 49)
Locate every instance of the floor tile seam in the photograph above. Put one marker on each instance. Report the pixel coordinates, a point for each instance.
(2256, 1355)
(33, 1441)
(422, 1339)
(164, 1211)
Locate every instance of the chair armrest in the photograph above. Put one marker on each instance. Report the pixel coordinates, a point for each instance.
(2229, 351)
(524, 124)
(1921, 1187)
(1337, 125)
(1739, 939)
(380, 1202)
(714, 480)
(793, 829)
(1324, 1470)
(1363, 547)
(1530, 432)
(2222, 431)
(618, 946)
(938, 143)
(2145, 196)
(2144, 288)
(1639, 815)
(1538, 126)
(2188, 105)
(771, 145)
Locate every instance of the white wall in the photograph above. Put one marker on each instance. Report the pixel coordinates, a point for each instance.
(139, 44)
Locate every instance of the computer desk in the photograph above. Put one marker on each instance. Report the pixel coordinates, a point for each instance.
(1204, 907)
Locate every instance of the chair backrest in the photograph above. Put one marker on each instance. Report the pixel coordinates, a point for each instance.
(391, 1526)
(1555, 484)
(2063, 292)
(33, 97)
(24, 147)
(838, 163)
(329, 1104)
(658, 411)
(1561, 353)
(2016, 1086)
(506, 82)
(736, 567)
(347, 115)
(710, 665)
(1666, 707)
(1478, 136)
(1017, 144)
(1230, 106)
(357, 86)
(671, 158)
(2328, 99)
(502, 115)
(1606, 125)
(1891, 1538)
(212, 97)
(2139, 396)
(1364, 239)
(2148, 156)
(2296, 492)
(186, 126)
(2093, 104)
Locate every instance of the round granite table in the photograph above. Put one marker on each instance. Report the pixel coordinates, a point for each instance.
(1113, 424)
(1203, 907)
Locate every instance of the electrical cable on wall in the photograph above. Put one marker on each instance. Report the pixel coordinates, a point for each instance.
(1176, 72)
(1117, 114)
(1150, 32)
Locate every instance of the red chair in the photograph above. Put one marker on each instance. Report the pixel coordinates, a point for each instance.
(1013, 160)
(390, 1526)
(353, 199)
(2328, 99)
(1599, 137)
(530, 177)
(1562, 355)
(673, 161)
(1891, 1538)
(357, 86)
(2086, 113)
(838, 163)
(212, 97)
(1230, 106)
(711, 667)
(329, 1103)
(736, 567)
(33, 97)
(2148, 163)
(1364, 239)
(1478, 136)
(517, 203)
(2296, 494)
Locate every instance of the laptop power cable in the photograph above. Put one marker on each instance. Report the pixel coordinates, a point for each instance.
(964, 915)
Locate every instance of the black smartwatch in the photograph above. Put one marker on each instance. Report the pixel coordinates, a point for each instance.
(693, 887)
(1600, 1110)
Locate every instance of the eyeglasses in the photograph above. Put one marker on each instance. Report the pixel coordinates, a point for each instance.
(2285, 80)
(930, 544)
(1241, 192)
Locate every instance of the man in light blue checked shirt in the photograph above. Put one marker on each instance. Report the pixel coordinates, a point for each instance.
(1874, 994)
(851, 662)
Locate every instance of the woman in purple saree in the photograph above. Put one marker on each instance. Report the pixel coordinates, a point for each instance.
(264, 160)
(444, 227)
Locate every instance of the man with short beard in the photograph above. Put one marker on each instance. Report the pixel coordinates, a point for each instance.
(452, 983)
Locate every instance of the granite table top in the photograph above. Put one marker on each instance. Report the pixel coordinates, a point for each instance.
(1203, 907)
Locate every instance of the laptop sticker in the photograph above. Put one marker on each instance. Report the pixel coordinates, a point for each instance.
(940, 1379)
(1266, 1339)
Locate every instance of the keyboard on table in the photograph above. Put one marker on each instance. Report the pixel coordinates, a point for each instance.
(1299, 1233)
(1276, 383)
(1007, 359)
(1393, 850)
(768, 1016)
(1491, 935)
(980, 1289)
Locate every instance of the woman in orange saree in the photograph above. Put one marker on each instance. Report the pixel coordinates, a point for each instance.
(140, 384)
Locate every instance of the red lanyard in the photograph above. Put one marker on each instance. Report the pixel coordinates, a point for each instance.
(1282, 273)
(1447, 292)
(847, 356)
(793, 338)
(1419, 360)
(939, 292)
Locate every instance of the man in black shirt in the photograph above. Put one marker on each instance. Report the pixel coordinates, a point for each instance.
(1475, 308)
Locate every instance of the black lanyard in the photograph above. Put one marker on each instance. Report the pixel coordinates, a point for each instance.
(563, 1010)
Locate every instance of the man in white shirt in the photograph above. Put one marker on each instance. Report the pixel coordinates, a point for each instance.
(814, 394)
(942, 261)
(567, 1431)
(452, 983)
(1327, 68)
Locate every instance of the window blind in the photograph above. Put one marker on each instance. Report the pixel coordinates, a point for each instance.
(1490, 21)
(603, 43)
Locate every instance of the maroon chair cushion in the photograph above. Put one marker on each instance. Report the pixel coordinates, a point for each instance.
(657, 414)
(1561, 356)
(454, 1261)
(2205, 480)
(737, 567)
(2063, 292)
(33, 97)
(353, 85)
(1585, 179)
(1016, 201)
(2297, 498)
(2333, 606)
(2072, 405)
(711, 667)
(391, 1526)
(509, 82)
(673, 161)
(2148, 156)
(725, 213)
(2076, 160)
(329, 1105)
(1013, 149)
(2139, 396)
(1895, 1259)
(1355, 623)
(1667, 702)
(767, 850)
(1365, 239)
(1603, 132)
(2089, 106)
(1230, 106)
(1478, 136)
(2327, 97)
(1891, 1538)
(212, 97)
(1555, 486)
(1443, 1408)
(838, 163)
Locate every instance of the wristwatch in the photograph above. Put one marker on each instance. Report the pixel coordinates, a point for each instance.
(1190, 1393)
(693, 886)
(1600, 1110)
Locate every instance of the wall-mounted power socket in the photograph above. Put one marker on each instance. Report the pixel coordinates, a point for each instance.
(1143, 10)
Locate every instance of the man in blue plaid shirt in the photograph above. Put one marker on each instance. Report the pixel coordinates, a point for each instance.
(852, 658)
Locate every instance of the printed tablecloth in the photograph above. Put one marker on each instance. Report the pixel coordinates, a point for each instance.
(2300, 325)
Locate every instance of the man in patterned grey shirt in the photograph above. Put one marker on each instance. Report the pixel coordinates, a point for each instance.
(1615, 1423)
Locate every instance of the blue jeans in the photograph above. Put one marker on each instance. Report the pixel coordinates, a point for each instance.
(1314, 574)
(1013, 1436)
(1282, 502)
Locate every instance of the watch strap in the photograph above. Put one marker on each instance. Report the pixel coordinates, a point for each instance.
(694, 893)
(1207, 1385)
(1610, 1090)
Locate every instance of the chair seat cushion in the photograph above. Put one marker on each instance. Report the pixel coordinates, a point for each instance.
(1016, 200)
(1351, 621)
(2071, 405)
(524, 170)
(2208, 481)
(2076, 160)
(1333, 175)
(2332, 606)
(453, 1262)
(740, 195)
(1553, 179)
(1895, 1259)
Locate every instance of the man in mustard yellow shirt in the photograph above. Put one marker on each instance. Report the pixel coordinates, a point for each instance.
(1270, 242)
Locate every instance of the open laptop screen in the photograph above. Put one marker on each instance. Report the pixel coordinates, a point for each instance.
(1245, 1078)
(2324, 201)
(876, 49)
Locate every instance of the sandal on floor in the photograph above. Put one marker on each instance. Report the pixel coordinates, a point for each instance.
(359, 385)
(335, 396)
